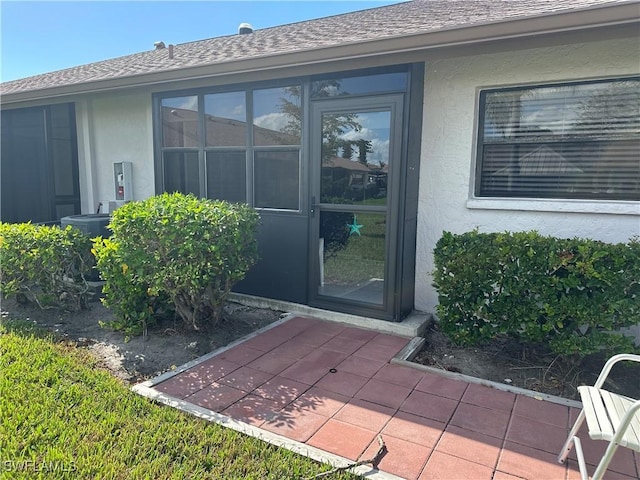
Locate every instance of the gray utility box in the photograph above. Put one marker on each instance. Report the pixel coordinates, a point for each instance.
(92, 225)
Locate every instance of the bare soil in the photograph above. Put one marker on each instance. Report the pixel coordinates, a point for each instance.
(531, 367)
(169, 344)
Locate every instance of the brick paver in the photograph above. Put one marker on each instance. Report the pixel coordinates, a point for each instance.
(331, 386)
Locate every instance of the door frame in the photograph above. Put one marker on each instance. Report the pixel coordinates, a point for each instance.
(395, 103)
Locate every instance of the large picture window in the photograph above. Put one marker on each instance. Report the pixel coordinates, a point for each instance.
(569, 141)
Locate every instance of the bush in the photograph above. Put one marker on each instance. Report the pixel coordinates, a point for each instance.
(175, 251)
(572, 294)
(45, 264)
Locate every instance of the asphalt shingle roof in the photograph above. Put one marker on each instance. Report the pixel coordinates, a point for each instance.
(404, 19)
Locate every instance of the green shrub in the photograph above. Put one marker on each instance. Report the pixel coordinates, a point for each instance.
(133, 307)
(45, 264)
(572, 294)
(175, 251)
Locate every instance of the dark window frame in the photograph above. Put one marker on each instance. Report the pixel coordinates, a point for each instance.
(202, 149)
(249, 87)
(528, 140)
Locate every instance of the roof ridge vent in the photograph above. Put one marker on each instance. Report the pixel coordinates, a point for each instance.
(245, 28)
(159, 45)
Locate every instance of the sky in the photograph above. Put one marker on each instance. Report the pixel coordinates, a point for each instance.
(44, 36)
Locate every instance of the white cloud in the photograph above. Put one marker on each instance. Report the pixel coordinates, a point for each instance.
(380, 146)
(364, 133)
(380, 153)
(185, 103)
(273, 121)
(553, 117)
(238, 111)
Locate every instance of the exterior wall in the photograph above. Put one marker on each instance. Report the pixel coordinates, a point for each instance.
(119, 127)
(448, 151)
(114, 128)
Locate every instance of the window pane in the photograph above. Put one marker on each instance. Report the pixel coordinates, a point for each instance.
(352, 255)
(355, 157)
(277, 179)
(226, 119)
(592, 110)
(381, 83)
(594, 170)
(568, 141)
(63, 150)
(181, 172)
(226, 176)
(180, 122)
(277, 116)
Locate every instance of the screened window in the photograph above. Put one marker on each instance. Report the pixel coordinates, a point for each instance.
(181, 172)
(226, 119)
(277, 179)
(180, 122)
(360, 85)
(226, 175)
(214, 144)
(570, 141)
(277, 126)
(277, 116)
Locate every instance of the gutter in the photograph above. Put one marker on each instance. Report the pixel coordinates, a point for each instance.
(551, 23)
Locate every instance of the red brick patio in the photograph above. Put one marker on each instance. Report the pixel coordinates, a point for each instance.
(330, 387)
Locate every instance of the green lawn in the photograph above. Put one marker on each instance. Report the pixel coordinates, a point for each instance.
(61, 416)
(363, 255)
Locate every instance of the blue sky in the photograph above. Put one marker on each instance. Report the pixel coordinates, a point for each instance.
(40, 37)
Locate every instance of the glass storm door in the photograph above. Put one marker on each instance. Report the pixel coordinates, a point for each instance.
(355, 148)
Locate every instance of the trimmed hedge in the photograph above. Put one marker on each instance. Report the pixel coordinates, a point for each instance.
(45, 264)
(573, 294)
(175, 251)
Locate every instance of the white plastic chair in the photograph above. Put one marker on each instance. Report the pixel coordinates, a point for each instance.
(611, 417)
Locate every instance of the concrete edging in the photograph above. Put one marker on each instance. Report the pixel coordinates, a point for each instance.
(264, 435)
(404, 357)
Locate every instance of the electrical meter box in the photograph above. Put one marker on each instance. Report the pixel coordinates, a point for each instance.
(122, 179)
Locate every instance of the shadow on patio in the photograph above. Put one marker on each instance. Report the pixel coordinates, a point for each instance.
(317, 386)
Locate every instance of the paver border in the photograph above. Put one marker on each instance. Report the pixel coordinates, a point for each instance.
(264, 435)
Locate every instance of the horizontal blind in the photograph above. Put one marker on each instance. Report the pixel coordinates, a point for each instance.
(566, 141)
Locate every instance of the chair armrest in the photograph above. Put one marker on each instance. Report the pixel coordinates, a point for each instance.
(610, 363)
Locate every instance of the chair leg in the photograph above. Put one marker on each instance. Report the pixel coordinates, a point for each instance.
(605, 461)
(564, 453)
(582, 466)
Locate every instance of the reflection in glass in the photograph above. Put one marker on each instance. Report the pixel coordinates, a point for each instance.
(563, 111)
(352, 255)
(226, 176)
(277, 179)
(277, 116)
(563, 141)
(181, 172)
(355, 157)
(180, 122)
(381, 83)
(226, 119)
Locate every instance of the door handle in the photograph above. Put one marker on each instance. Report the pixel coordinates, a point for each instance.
(314, 206)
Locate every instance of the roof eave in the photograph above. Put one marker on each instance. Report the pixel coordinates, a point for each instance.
(577, 20)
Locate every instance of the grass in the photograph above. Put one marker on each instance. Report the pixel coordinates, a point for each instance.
(61, 416)
(363, 256)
